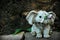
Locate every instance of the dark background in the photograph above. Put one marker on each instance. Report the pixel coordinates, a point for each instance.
(12, 18)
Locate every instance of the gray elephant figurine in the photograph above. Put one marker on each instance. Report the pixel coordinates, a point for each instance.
(41, 22)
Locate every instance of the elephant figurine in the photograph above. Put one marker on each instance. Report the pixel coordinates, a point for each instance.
(41, 22)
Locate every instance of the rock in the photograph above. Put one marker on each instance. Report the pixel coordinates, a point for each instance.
(12, 37)
(54, 36)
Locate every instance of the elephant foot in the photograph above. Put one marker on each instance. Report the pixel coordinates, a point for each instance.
(38, 36)
(46, 36)
(33, 33)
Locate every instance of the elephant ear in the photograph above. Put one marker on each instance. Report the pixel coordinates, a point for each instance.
(30, 16)
(52, 15)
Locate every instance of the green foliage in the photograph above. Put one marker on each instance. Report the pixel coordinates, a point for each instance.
(19, 30)
(29, 29)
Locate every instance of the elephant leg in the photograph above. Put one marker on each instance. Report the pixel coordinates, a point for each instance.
(38, 33)
(46, 31)
(33, 30)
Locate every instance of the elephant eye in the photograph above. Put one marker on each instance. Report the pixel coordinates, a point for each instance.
(40, 16)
